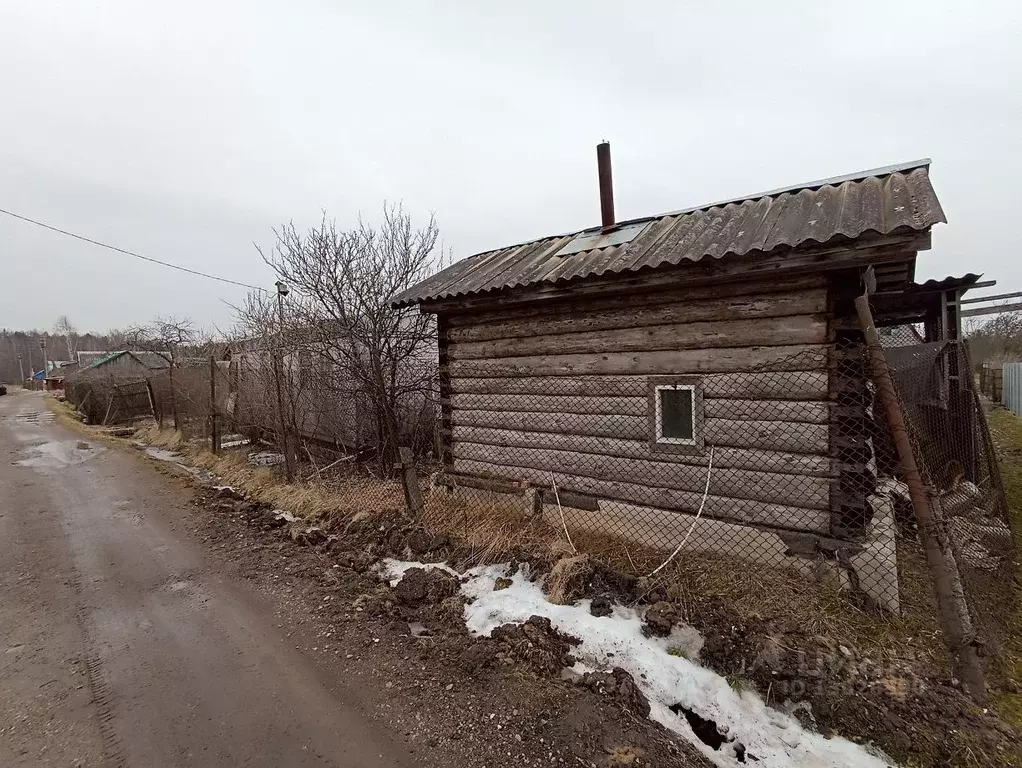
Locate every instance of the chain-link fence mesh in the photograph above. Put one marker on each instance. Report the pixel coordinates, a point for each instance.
(785, 464)
(951, 444)
(759, 460)
(765, 466)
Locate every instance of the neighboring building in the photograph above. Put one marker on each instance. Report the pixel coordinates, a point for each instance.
(57, 371)
(601, 368)
(87, 358)
(123, 363)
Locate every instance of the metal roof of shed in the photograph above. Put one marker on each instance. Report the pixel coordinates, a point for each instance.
(883, 201)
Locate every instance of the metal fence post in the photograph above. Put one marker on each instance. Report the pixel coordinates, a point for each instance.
(214, 432)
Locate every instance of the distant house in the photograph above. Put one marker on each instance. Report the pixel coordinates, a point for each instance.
(86, 358)
(57, 371)
(604, 370)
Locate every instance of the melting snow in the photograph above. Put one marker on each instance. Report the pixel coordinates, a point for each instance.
(394, 570)
(162, 454)
(775, 739)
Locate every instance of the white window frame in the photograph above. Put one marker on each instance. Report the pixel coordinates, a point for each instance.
(659, 437)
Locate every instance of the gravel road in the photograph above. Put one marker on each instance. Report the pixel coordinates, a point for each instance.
(120, 644)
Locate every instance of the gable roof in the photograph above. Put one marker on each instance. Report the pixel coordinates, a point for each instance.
(105, 358)
(151, 360)
(884, 201)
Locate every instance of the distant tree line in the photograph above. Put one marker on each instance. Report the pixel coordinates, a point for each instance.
(63, 342)
(996, 339)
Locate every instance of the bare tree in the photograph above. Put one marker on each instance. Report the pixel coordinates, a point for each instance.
(995, 339)
(164, 336)
(65, 329)
(347, 281)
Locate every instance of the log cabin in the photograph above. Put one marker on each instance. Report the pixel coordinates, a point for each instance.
(695, 377)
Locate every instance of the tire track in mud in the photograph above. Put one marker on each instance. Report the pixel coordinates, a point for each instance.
(102, 696)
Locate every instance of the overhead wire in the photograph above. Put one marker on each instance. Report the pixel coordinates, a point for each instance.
(131, 253)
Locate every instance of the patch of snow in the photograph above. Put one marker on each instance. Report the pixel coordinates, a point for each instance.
(283, 514)
(234, 443)
(266, 458)
(162, 454)
(776, 739)
(392, 570)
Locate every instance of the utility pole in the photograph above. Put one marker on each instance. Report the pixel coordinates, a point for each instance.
(46, 363)
(282, 291)
(21, 371)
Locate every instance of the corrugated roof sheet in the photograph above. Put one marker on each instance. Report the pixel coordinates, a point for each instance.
(882, 201)
(948, 283)
(151, 360)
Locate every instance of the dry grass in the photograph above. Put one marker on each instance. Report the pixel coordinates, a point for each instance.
(563, 578)
(486, 532)
(1006, 431)
(162, 438)
(497, 531)
(324, 501)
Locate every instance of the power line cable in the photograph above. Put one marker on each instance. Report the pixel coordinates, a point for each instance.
(131, 253)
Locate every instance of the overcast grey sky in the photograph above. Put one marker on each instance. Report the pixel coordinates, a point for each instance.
(186, 130)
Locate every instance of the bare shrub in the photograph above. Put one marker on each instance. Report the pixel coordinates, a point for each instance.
(342, 330)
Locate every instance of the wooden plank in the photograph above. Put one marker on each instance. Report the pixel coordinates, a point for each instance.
(767, 435)
(664, 294)
(723, 457)
(569, 499)
(726, 360)
(410, 478)
(766, 331)
(623, 406)
(808, 492)
(753, 410)
(794, 385)
(792, 412)
(609, 492)
(485, 484)
(586, 318)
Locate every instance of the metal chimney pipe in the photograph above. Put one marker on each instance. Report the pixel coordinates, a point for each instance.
(606, 184)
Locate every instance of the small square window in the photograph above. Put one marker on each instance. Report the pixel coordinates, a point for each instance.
(676, 417)
(676, 414)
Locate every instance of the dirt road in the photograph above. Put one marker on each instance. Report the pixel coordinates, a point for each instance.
(121, 645)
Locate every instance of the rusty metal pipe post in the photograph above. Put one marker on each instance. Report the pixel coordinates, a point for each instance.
(606, 185)
(947, 586)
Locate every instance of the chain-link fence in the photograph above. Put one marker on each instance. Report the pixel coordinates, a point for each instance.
(782, 464)
(766, 466)
(970, 521)
(755, 461)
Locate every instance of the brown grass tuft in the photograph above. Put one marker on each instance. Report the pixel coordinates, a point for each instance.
(562, 582)
(486, 532)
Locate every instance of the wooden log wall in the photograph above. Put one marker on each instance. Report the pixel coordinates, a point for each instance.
(560, 394)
